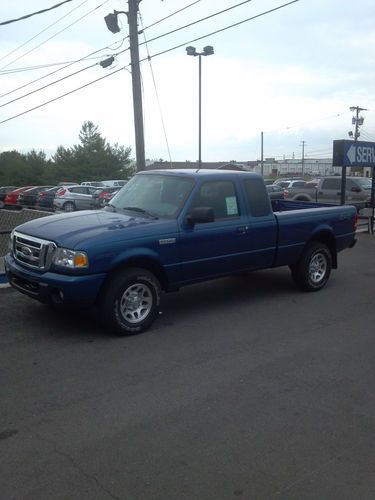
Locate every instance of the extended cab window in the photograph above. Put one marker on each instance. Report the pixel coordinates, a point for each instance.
(220, 196)
(257, 197)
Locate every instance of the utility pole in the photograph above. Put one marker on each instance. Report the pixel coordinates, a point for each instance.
(136, 82)
(303, 157)
(357, 121)
(261, 154)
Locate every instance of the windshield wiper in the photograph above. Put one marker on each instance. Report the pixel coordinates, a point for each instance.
(112, 207)
(141, 210)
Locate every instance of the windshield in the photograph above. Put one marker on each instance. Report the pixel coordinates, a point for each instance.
(156, 195)
(364, 182)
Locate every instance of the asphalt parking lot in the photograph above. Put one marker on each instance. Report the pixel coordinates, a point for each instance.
(244, 388)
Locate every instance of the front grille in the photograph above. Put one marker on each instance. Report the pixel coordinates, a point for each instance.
(32, 252)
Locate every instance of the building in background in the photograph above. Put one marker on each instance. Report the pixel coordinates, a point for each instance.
(314, 167)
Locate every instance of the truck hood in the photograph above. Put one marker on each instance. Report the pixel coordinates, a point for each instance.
(75, 229)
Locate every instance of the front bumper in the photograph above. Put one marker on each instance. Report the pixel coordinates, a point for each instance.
(49, 287)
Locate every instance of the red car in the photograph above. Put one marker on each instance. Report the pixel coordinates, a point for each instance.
(102, 196)
(10, 201)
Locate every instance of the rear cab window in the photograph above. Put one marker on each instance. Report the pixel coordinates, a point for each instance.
(257, 197)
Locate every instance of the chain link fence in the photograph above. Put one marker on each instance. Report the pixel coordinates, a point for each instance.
(9, 219)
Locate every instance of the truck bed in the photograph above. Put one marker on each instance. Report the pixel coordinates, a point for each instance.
(296, 227)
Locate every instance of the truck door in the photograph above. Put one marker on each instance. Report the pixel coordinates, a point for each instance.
(261, 235)
(330, 191)
(225, 245)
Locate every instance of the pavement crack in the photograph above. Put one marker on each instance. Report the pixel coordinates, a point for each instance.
(71, 460)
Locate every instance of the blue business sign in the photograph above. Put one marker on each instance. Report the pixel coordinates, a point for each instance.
(353, 154)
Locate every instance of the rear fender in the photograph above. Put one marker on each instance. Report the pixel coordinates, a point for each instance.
(326, 236)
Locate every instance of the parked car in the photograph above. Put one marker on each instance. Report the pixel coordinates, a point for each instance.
(102, 195)
(11, 198)
(275, 192)
(117, 183)
(71, 198)
(44, 199)
(27, 199)
(285, 182)
(328, 190)
(4, 190)
(93, 183)
(296, 184)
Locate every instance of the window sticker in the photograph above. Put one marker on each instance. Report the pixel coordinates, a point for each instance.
(231, 203)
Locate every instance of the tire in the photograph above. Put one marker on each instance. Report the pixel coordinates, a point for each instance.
(130, 301)
(312, 271)
(69, 206)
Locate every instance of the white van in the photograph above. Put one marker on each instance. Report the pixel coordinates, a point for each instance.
(117, 183)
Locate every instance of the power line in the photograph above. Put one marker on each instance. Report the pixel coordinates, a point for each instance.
(204, 19)
(50, 38)
(149, 57)
(56, 81)
(143, 29)
(170, 15)
(225, 28)
(50, 65)
(152, 39)
(35, 13)
(45, 29)
(87, 57)
(48, 85)
(61, 96)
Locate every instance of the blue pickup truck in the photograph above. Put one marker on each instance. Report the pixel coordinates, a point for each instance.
(166, 229)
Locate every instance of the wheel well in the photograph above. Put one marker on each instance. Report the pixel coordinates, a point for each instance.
(143, 263)
(302, 198)
(328, 239)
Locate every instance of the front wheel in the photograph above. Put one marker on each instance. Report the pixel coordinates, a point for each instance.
(69, 206)
(130, 301)
(312, 271)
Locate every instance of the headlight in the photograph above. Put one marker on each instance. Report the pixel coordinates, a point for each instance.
(71, 259)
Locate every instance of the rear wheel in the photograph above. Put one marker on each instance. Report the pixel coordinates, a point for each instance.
(130, 301)
(69, 206)
(312, 271)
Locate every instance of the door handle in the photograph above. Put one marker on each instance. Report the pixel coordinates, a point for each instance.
(242, 229)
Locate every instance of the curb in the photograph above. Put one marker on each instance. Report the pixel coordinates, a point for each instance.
(3, 279)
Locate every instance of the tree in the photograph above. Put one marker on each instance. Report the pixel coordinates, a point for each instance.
(93, 158)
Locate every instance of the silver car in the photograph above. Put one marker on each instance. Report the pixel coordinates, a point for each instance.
(71, 198)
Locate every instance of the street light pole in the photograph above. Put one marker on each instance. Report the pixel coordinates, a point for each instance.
(200, 114)
(207, 51)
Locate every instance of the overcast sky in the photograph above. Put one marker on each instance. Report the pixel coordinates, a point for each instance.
(292, 73)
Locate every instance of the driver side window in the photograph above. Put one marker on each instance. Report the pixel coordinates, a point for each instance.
(218, 195)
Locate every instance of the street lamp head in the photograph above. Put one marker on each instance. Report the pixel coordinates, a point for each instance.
(208, 50)
(111, 22)
(191, 51)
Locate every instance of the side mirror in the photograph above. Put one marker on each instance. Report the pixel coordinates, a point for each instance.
(200, 215)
